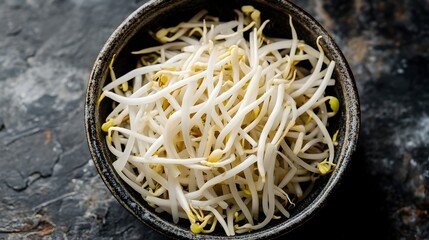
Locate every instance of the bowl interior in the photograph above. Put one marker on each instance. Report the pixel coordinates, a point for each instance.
(133, 35)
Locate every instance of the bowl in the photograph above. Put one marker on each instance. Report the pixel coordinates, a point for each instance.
(132, 34)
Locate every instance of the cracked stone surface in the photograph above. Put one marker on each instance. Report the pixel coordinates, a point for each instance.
(49, 188)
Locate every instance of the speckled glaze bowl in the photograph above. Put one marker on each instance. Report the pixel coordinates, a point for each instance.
(132, 34)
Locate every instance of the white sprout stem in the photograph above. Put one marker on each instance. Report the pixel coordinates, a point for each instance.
(325, 133)
(233, 171)
(313, 76)
(319, 91)
(267, 128)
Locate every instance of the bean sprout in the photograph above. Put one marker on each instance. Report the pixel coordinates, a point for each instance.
(222, 125)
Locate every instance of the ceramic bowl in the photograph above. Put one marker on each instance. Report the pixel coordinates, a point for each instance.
(133, 34)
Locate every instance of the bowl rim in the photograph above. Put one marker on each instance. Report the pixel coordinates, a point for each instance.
(167, 228)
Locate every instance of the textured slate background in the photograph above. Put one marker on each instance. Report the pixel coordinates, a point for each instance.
(49, 188)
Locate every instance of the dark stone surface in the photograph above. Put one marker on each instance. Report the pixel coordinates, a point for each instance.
(49, 188)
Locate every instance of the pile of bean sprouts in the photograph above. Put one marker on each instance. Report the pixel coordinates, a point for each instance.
(222, 125)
